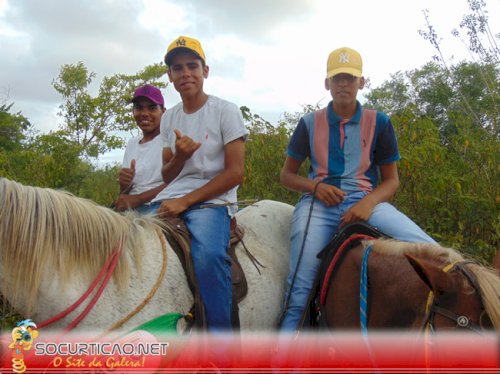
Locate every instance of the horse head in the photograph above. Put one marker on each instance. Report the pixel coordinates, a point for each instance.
(455, 300)
(409, 285)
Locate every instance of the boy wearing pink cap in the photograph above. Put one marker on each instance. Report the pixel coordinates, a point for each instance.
(140, 177)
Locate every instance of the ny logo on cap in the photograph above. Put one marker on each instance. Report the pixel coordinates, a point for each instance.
(344, 58)
(181, 43)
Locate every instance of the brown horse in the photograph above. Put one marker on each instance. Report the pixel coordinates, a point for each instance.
(496, 260)
(401, 276)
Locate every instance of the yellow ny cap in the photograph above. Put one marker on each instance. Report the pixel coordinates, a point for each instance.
(184, 42)
(344, 60)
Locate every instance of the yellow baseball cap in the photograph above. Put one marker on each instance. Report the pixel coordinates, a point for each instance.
(344, 60)
(184, 42)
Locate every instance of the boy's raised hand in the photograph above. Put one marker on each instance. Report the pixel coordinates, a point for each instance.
(126, 177)
(184, 146)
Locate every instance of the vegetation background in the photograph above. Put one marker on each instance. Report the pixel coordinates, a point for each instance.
(446, 116)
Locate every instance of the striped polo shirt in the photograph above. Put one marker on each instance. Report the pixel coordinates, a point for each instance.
(345, 153)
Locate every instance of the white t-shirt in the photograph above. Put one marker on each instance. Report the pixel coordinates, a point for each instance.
(148, 163)
(217, 123)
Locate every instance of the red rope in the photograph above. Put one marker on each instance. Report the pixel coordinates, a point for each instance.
(97, 295)
(109, 267)
(339, 252)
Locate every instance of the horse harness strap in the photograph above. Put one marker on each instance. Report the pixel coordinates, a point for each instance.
(462, 321)
(432, 308)
(345, 239)
(236, 236)
(338, 254)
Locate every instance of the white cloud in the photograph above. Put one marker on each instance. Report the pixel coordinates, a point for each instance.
(267, 55)
(164, 17)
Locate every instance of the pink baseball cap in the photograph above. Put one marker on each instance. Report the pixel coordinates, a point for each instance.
(150, 92)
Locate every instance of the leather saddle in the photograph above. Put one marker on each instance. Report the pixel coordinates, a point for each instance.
(179, 238)
(312, 317)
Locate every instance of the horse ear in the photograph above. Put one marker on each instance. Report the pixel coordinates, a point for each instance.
(433, 276)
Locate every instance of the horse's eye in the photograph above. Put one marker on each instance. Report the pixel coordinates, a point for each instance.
(26, 337)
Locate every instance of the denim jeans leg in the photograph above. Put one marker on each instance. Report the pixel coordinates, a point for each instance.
(209, 228)
(392, 222)
(323, 225)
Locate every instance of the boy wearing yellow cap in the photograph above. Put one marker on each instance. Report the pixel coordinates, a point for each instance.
(203, 164)
(349, 147)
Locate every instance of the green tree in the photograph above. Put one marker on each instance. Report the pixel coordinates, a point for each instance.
(483, 48)
(12, 128)
(449, 169)
(63, 158)
(265, 156)
(93, 122)
(100, 185)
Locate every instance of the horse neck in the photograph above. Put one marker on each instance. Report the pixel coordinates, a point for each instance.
(116, 302)
(396, 295)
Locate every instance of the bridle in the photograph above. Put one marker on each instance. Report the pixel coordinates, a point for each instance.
(462, 321)
(432, 306)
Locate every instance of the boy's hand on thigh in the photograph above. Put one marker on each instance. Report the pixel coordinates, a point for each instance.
(172, 208)
(360, 211)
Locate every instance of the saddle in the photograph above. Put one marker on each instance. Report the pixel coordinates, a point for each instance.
(178, 236)
(346, 238)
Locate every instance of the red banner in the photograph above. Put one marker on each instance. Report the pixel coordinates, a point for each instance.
(141, 352)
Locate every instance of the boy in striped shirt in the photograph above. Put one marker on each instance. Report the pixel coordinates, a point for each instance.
(349, 148)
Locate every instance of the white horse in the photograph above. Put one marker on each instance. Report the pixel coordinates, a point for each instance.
(53, 245)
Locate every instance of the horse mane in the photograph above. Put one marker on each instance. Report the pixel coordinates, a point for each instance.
(44, 230)
(487, 278)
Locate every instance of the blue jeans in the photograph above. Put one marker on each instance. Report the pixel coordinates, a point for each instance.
(209, 228)
(323, 225)
(148, 208)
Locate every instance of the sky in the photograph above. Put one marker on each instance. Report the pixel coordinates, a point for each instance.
(269, 55)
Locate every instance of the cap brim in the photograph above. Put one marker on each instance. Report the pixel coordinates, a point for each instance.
(345, 70)
(170, 55)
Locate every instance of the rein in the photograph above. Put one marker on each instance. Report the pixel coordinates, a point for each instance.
(106, 271)
(432, 308)
(306, 231)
